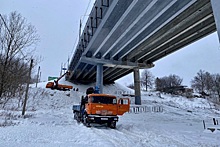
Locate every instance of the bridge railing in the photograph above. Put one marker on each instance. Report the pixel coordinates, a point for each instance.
(146, 109)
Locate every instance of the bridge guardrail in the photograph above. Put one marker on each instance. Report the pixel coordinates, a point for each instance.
(146, 109)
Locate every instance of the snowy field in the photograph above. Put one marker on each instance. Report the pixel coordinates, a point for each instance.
(49, 122)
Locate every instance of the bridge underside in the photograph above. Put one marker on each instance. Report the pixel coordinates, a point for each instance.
(126, 34)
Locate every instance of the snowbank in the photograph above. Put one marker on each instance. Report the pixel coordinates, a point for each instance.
(49, 122)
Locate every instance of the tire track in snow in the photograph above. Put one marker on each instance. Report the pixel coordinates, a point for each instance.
(129, 136)
(149, 138)
(108, 136)
(119, 137)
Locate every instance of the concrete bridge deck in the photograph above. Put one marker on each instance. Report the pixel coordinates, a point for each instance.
(126, 34)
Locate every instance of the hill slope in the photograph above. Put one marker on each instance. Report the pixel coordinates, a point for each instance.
(49, 122)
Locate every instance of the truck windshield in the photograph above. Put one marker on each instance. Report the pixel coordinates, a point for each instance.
(104, 100)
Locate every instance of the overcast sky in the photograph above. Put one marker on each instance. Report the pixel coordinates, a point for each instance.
(57, 23)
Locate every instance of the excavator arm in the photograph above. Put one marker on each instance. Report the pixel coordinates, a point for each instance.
(56, 85)
(56, 81)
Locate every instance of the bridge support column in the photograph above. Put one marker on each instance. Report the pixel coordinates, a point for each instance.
(99, 77)
(216, 11)
(137, 87)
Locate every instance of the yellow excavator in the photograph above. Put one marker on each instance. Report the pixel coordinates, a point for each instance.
(57, 86)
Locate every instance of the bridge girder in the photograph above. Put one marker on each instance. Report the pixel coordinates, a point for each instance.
(127, 34)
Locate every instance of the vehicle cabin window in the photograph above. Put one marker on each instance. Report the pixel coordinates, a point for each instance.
(114, 101)
(104, 100)
(123, 101)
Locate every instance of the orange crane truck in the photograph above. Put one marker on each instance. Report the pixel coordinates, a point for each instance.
(57, 86)
(100, 109)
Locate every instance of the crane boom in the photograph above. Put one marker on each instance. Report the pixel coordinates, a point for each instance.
(56, 85)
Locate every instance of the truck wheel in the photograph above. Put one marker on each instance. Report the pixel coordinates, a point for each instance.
(75, 116)
(85, 121)
(112, 124)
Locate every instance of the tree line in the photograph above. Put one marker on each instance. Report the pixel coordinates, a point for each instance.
(204, 83)
(17, 44)
(207, 83)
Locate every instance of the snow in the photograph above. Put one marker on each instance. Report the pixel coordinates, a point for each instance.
(49, 121)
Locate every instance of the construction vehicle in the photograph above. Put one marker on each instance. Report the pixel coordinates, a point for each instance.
(57, 86)
(100, 109)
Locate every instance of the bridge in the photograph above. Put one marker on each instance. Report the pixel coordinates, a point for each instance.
(123, 36)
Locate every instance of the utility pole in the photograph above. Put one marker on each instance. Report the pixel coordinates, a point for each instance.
(68, 62)
(61, 69)
(38, 75)
(27, 88)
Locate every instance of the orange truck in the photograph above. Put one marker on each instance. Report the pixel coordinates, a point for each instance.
(57, 86)
(101, 109)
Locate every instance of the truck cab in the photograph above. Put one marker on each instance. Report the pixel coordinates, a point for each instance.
(104, 104)
(101, 108)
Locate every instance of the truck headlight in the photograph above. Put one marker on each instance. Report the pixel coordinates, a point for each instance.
(98, 112)
(109, 112)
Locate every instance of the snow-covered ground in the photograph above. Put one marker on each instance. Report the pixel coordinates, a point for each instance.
(49, 122)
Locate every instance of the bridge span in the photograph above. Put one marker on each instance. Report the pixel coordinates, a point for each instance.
(123, 36)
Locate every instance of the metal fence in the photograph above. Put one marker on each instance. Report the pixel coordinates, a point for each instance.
(146, 109)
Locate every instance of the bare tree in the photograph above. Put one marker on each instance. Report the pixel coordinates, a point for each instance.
(168, 82)
(175, 80)
(209, 83)
(198, 82)
(216, 87)
(203, 82)
(131, 86)
(147, 79)
(17, 40)
(158, 84)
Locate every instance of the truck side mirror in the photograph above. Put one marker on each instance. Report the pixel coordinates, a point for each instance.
(82, 97)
